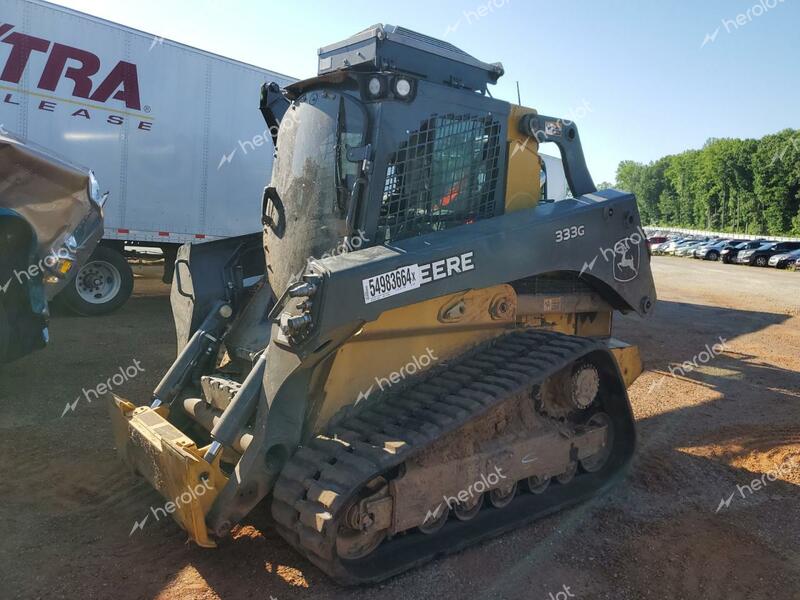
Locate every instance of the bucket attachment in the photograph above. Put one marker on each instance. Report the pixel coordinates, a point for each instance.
(171, 462)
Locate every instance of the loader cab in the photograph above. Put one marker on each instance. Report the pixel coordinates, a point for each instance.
(399, 163)
(398, 137)
(394, 138)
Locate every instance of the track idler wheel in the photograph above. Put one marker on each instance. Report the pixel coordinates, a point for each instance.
(536, 484)
(435, 519)
(597, 461)
(469, 510)
(352, 544)
(568, 475)
(358, 535)
(500, 497)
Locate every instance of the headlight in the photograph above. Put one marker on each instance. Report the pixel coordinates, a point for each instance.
(376, 87)
(94, 188)
(402, 88)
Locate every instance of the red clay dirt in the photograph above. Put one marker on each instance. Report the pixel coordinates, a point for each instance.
(665, 531)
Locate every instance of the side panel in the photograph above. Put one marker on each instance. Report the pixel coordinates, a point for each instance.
(182, 157)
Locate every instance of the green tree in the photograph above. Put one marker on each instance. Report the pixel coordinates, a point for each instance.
(730, 184)
(776, 166)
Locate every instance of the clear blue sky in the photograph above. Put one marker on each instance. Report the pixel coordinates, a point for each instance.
(647, 86)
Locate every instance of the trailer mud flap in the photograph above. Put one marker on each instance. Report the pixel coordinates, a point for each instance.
(171, 462)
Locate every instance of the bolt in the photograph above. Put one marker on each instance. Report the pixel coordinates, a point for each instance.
(367, 521)
(293, 324)
(302, 289)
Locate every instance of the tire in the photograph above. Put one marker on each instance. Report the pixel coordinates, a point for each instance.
(101, 286)
(761, 261)
(713, 255)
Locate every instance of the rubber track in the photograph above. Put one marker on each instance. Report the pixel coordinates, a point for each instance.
(437, 403)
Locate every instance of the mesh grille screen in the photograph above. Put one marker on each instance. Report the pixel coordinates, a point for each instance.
(443, 176)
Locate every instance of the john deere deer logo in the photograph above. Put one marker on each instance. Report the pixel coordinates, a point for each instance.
(626, 259)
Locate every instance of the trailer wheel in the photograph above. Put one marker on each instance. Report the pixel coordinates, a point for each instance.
(102, 285)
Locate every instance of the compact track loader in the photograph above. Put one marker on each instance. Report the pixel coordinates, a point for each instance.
(418, 354)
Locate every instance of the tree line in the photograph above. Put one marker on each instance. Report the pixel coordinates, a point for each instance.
(744, 186)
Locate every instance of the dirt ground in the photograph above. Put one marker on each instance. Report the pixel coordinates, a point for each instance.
(67, 505)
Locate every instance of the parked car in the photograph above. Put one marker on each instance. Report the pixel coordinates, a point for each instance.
(729, 253)
(782, 261)
(660, 248)
(673, 246)
(714, 251)
(51, 220)
(688, 249)
(655, 240)
(760, 256)
(796, 266)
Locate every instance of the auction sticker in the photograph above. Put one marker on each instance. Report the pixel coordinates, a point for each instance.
(391, 283)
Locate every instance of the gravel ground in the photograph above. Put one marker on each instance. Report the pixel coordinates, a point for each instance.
(665, 531)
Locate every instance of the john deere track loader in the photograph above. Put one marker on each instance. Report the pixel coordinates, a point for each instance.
(419, 355)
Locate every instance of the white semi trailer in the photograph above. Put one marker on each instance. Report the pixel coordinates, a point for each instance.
(173, 133)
